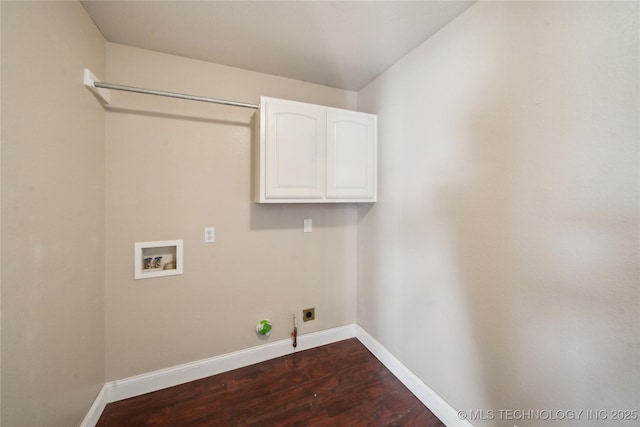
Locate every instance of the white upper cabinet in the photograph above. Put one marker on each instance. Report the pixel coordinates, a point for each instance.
(314, 154)
(294, 152)
(351, 155)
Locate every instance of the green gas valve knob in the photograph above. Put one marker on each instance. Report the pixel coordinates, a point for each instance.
(264, 327)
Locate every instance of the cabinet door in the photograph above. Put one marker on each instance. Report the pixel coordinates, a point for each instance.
(294, 149)
(351, 155)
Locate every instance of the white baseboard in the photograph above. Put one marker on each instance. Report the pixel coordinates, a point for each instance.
(92, 417)
(164, 378)
(169, 377)
(436, 404)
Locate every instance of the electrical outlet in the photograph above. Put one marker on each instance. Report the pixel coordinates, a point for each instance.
(209, 235)
(308, 314)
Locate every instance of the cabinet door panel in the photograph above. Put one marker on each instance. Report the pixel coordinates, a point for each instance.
(351, 159)
(295, 152)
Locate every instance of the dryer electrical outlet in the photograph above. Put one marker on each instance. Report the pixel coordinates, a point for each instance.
(308, 314)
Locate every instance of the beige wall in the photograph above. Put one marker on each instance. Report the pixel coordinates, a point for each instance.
(175, 167)
(501, 261)
(500, 264)
(52, 215)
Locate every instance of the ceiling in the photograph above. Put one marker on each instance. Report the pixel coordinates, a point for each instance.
(342, 44)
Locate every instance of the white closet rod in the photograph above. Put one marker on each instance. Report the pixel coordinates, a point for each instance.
(95, 85)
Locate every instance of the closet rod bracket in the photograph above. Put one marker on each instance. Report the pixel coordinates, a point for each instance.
(90, 80)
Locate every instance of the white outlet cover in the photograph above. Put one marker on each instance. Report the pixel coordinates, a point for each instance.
(308, 226)
(209, 234)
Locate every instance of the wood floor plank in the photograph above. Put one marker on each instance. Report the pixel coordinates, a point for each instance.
(340, 384)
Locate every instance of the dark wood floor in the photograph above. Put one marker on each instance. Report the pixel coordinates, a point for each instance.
(340, 384)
